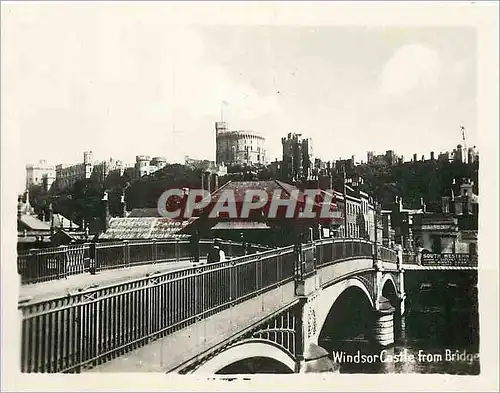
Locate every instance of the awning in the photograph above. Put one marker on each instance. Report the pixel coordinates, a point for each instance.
(240, 225)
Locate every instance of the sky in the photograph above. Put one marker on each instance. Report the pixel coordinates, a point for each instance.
(122, 83)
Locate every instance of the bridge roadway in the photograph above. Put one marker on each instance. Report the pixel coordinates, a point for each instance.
(80, 282)
(172, 353)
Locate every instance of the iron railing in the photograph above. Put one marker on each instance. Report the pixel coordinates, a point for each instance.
(387, 255)
(55, 263)
(85, 329)
(328, 251)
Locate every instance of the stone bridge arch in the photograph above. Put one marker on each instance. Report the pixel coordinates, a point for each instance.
(318, 307)
(249, 349)
(387, 280)
(390, 287)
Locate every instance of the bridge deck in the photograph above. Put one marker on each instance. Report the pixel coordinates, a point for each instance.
(72, 284)
(166, 354)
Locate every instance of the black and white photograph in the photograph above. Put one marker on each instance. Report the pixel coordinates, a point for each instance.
(201, 196)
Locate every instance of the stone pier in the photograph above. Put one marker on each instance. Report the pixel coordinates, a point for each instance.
(383, 329)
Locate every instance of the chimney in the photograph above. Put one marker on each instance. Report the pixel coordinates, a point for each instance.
(432, 156)
(414, 157)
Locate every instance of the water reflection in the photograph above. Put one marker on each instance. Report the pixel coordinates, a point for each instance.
(427, 341)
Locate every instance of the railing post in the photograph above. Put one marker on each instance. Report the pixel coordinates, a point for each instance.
(86, 257)
(32, 266)
(154, 253)
(319, 254)
(177, 250)
(232, 283)
(93, 259)
(126, 253)
(279, 265)
(65, 261)
(258, 272)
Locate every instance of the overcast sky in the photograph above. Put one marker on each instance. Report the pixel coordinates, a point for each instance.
(122, 83)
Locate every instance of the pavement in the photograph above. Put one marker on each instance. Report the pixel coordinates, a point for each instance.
(80, 282)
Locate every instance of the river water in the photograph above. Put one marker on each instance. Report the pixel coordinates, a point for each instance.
(426, 341)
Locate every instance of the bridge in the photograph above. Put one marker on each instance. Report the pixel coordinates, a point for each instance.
(267, 311)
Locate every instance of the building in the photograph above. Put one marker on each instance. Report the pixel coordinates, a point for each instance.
(31, 231)
(145, 165)
(298, 157)
(40, 174)
(66, 176)
(444, 156)
(401, 222)
(472, 155)
(454, 229)
(388, 233)
(206, 165)
(103, 169)
(389, 158)
(238, 147)
(461, 199)
(142, 165)
(460, 154)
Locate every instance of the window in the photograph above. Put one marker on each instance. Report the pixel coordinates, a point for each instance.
(472, 249)
(436, 244)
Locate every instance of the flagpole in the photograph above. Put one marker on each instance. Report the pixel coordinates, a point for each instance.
(222, 111)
